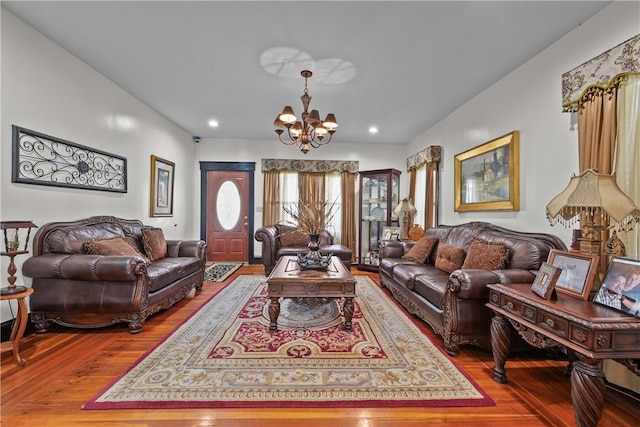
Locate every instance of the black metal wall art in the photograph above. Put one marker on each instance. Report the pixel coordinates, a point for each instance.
(46, 160)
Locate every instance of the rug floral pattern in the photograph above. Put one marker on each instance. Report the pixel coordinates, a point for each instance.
(225, 356)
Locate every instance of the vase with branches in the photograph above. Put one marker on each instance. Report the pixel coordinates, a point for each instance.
(312, 218)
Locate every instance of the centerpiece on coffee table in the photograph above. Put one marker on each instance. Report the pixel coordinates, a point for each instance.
(312, 218)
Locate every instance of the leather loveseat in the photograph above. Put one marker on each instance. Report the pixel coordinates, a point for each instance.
(452, 301)
(105, 270)
(280, 240)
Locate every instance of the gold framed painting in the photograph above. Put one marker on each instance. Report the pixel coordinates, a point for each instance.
(162, 176)
(487, 177)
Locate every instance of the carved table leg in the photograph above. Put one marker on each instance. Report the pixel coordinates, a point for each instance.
(587, 391)
(347, 309)
(500, 345)
(274, 312)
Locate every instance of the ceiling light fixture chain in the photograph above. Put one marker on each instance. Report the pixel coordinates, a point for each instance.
(310, 131)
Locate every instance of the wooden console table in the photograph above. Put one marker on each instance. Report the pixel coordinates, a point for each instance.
(590, 333)
(19, 326)
(289, 281)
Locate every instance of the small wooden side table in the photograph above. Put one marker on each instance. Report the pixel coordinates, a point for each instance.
(19, 326)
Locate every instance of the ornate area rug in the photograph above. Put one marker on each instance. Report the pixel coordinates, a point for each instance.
(224, 356)
(219, 271)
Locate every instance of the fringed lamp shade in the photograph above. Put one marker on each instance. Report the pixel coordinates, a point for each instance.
(597, 196)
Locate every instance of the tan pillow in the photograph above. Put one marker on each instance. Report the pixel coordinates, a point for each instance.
(421, 250)
(113, 246)
(483, 255)
(290, 236)
(449, 258)
(154, 243)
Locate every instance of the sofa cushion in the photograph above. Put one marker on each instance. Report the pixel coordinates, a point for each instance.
(449, 258)
(432, 286)
(70, 240)
(166, 271)
(291, 236)
(113, 246)
(483, 255)
(406, 274)
(421, 250)
(155, 245)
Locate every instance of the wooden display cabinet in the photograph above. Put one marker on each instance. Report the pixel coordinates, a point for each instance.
(379, 195)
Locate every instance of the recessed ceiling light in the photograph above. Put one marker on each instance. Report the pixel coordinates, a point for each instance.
(373, 129)
(213, 123)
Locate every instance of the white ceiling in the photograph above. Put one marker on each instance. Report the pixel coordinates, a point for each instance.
(408, 64)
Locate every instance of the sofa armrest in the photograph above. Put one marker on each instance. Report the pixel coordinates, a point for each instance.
(113, 268)
(268, 236)
(187, 248)
(471, 284)
(394, 248)
(515, 275)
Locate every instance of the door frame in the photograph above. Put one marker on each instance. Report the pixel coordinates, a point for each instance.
(228, 166)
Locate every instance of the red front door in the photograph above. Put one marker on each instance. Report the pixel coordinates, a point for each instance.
(227, 223)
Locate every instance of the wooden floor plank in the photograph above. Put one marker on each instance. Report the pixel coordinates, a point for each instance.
(67, 367)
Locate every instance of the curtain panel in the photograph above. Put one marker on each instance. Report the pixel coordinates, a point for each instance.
(312, 188)
(429, 157)
(601, 74)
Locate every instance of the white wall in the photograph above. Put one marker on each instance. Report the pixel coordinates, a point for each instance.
(44, 88)
(529, 100)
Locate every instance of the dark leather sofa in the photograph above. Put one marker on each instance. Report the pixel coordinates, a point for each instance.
(77, 289)
(453, 304)
(274, 246)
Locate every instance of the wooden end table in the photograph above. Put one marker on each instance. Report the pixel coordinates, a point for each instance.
(19, 326)
(590, 333)
(289, 281)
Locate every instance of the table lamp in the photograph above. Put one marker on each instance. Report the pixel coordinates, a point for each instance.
(11, 230)
(406, 208)
(593, 195)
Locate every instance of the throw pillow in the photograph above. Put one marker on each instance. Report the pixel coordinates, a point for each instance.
(449, 258)
(483, 255)
(154, 243)
(290, 236)
(421, 250)
(113, 246)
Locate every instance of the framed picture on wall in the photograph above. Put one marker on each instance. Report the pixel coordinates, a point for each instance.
(162, 177)
(487, 177)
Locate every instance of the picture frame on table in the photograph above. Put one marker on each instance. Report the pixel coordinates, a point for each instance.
(487, 177)
(161, 194)
(545, 282)
(578, 272)
(621, 286)
(390, 233)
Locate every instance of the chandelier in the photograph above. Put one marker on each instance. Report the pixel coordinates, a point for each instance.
(310, 131)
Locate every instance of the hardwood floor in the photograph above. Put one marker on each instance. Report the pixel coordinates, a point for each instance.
(67, 367)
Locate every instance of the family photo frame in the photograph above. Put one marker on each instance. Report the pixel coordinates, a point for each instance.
(390, 233)
(161, 194)
(578, 272)
(545, 283)
(487, 177)
(621, 286)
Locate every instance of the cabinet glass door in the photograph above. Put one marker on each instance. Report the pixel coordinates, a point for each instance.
(379, 195)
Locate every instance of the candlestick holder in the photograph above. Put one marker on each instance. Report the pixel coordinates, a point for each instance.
(11, 231)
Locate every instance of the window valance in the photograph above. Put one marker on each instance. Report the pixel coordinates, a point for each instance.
(600, 74)
(430, 154)
(292, 165)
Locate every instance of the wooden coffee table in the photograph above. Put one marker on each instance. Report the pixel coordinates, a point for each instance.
(287, 280)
